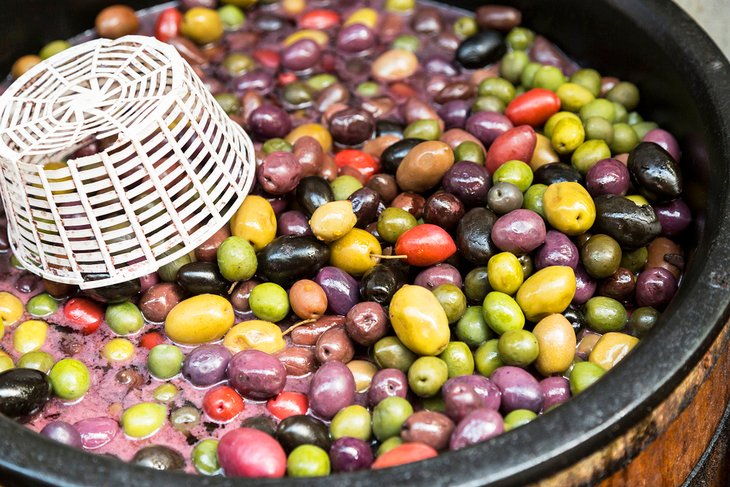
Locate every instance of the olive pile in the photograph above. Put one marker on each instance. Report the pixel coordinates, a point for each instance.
(454, 229)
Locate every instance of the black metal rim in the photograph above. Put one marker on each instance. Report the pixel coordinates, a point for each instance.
(561, 437)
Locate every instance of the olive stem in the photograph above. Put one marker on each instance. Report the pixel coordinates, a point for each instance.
(233, 286)
(297, 325)
(389, 256)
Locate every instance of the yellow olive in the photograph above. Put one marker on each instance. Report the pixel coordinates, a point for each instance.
(553, 122)
(549, 290)
(200, 319)
(568, 135)
(317, 36)
(611, 348)
(30, 335)
(394, 65)
(202, 25)
(255, 221)
(11, 308)
(504, 272)
(556, 341)
(333, 220)
(573, 96)
(569, 208)
(364, 16)
(256, 334)
(316, 131)
(6, 362)
(419, 320)
(118, 350)
(363, 372)
(354, 252)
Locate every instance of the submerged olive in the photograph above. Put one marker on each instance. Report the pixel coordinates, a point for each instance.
(23, 392)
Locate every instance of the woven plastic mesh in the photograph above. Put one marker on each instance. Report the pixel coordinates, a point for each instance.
(174, 170)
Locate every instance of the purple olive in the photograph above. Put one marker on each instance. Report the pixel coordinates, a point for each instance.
(258, 81)
(366, 322)
(455, 113)
(519, 231)
(268, 122)
(487, 126)
(62, 432)
(585, 285)
(665, 140)
(332, 389)
(479, 425)
(674, 217)
(279, 173)
(466, 393)
(520, 389)
(340, 288)
(555, 390)
(468, 181)
(350, 454)
(334, 344)
(97, 432)
(387, 383)
(608, 176)
(355, 38)
(206, 365)
(443, 209)
(351, 126)
(655, 287)
(428, 427)
(558, 249)
(301, 55)
(256, 374)
(434, 276)
(294, 223)
(440, 65)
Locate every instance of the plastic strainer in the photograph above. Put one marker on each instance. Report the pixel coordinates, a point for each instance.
(173, 170)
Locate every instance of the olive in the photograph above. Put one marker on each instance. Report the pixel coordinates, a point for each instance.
(114, 293)
(159, 457)
(365, 203)
(556, 172)
(381, 282)
(483, 48)
(301, 429)
(262, 423)
(476, 285)
(393, 155)
(642, 320)
(313, 192)
(443, 209)
(601, 256)
(654, 170)
(388, 127)
(23, 392)
(202, 278)
(288, 259)
(474, 236)
(575, 316)
(351, 126)
(631, 225)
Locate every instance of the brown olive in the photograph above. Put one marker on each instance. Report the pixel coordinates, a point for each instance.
(429, 427)
(117, 21)
(334, 344)
(309, 334)
(208, 250)
(157, 302)
(297, 361)
(367, 322)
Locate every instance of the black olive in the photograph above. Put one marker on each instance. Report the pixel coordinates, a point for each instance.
(159, 457)
(393, 155)
(312, 193)
(261, 423)
(202, 278)
(380, 283)
(365, 202)
(655, 171)
(631, 225)
(303, 430)
(114, 293)
(482, 49)
(23, 393)
(388, 127)
(474, 236)
(290, 258)
(556, 172)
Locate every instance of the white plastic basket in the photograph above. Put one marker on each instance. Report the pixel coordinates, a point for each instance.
(175, 172)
